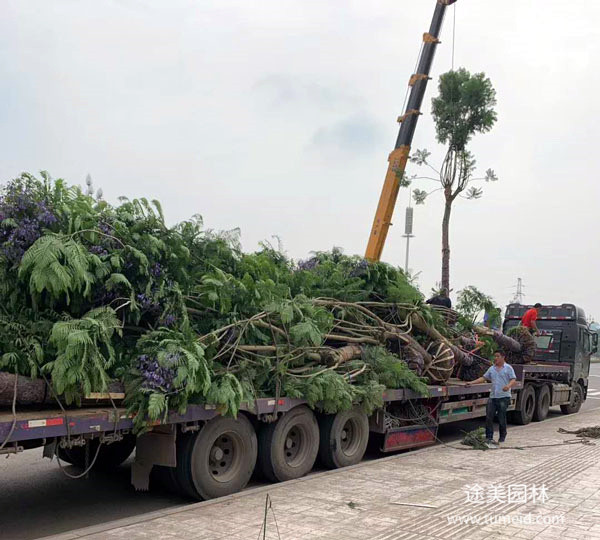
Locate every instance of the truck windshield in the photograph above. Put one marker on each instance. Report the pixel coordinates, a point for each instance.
(543, 342)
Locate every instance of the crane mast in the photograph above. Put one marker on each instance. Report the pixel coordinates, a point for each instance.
(408, 123)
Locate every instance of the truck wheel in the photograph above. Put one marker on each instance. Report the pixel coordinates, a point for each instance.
(218, 460)
(542, 403)
(289, 447)
(110, 456)
(527, 406)
(343, 438)
(576, 400)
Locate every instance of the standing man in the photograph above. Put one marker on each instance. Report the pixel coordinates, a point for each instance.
(530, 318)
(503, 378)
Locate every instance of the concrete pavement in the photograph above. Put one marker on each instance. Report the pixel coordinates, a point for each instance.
(427, 494)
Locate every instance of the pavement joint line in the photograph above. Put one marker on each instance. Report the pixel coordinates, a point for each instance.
(150, 516)
(544, 469)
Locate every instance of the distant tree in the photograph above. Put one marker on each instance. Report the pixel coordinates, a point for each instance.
(464, 107)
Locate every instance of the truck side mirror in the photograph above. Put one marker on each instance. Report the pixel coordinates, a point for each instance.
(594, 343)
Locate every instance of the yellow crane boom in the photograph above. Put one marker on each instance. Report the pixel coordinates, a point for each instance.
(408, 122)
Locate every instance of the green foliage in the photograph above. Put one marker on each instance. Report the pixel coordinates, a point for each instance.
(191, 375)
(464, 106)
(369, 395)
(489, 348)
(227, 391)
(471, 302)
(59, 265)
(329, 391)
(23, 340)
(476, 439)
(157, 405)
(332, 392)
(352, 279)
(92, 292)
(84, 353)
(306, 334)
(392, 372)
(517, 331)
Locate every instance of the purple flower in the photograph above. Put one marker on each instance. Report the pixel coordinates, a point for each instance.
(28, 214)
(98, 250)
(157, 377)
(169, 320)
(308, 264)
(156, 270)
(105, 228)
(360, 269)
(147, 303)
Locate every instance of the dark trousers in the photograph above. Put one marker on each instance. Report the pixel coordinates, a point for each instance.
(496, 406)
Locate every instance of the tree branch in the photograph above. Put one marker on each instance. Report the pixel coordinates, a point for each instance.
(432, 168)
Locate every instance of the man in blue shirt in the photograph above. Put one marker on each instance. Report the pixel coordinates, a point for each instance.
(503, 378)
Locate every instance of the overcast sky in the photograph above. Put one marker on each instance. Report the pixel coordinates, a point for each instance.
(277, 117)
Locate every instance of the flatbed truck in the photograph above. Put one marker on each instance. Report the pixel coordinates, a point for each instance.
(203, 454)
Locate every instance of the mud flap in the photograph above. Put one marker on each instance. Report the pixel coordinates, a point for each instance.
(50, 449)
(156, 447)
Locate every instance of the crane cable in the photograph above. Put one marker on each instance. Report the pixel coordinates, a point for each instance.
(453, 34)
(452, 65)
(414, 71)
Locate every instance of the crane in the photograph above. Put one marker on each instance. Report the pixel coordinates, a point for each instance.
(408, 122)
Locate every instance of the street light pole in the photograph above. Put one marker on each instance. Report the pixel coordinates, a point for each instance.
(408, 229)
(407, 251)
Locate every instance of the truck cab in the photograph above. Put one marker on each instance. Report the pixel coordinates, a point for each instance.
(565, 338)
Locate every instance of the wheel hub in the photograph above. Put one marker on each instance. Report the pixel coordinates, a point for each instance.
(293, 445)
(217, 454)
(222, 456)
(349, 437)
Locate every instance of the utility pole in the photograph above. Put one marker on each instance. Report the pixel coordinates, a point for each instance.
(518, 298)
(408, 229)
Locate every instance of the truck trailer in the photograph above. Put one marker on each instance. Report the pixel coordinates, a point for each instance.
(203, 454)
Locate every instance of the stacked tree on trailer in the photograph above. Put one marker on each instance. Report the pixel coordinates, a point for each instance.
(92, 293)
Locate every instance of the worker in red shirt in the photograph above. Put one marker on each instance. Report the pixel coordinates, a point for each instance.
(530, 318)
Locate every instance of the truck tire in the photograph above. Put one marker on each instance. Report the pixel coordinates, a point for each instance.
(183, 475)
(542, 403)
(576, 400)
(288, 448)
(110, 456)
(526, 406)
(219, 459)
(343, 438)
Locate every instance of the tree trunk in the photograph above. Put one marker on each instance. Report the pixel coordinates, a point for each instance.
(29, 391)
(446, 243)
(345, 354)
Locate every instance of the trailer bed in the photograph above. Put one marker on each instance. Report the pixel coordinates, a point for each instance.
(47, 423)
